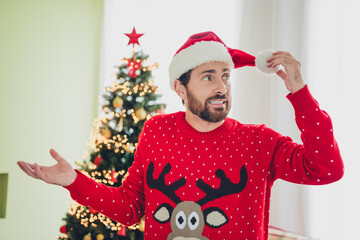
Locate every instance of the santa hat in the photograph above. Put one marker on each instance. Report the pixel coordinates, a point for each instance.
(207, 47)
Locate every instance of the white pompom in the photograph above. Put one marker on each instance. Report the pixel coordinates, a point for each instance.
(261, 64)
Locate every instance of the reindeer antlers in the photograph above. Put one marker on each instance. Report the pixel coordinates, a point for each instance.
(226, 186)
(159, 183)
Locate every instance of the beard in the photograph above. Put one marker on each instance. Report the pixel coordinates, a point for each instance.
(203, 110)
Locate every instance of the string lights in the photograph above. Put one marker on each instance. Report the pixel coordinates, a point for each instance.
(89, 217)
(126, 89)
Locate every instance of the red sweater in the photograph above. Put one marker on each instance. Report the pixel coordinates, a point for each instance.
(215, 185)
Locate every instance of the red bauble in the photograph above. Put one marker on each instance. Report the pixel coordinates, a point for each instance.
(98, 160)
(113, 176)
(63, 229)
(122, 231)
(133, 66)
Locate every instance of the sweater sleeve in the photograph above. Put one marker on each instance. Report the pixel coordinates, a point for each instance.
(317, 161)
(124, 204)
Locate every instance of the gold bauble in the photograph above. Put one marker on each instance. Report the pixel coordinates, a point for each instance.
(140, 113)
(117, 102)
(87, 237)
(106, 133)
(100, 237)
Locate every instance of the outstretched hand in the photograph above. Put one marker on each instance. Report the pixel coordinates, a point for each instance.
(62, 173)
(292, 75)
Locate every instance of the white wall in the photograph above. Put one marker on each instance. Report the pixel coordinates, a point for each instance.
(335, 208)
(49, 68)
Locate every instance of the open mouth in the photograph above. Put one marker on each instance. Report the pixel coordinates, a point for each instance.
(219, 102)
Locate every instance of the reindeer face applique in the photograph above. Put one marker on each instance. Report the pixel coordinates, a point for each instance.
(188, 219)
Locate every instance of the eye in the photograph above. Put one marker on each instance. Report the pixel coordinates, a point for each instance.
(180, 220)
(193, 220)
(226, 76)
(206, 78)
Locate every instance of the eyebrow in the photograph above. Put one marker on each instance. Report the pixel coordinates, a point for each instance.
(214, 71)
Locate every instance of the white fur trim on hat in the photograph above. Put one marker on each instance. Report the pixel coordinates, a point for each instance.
(196, 55)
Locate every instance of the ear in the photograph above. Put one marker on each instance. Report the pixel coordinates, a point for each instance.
(163, 213)
(215, 217)
(180, 89)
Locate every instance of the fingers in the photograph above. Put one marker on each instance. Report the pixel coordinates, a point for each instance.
(40, 174)
(56, 155)
(283, 58)
(281, 74)
(33, 170)
(28, 169)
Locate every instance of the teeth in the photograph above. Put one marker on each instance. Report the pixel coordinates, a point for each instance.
(216, 102)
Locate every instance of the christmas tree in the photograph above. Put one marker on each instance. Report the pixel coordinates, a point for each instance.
(128, 102)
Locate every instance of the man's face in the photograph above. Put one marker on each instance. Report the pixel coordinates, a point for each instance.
(208, 91)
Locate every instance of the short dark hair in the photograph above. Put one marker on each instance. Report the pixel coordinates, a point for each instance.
(184, 80)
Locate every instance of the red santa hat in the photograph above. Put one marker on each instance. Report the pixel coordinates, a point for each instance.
(207, 47)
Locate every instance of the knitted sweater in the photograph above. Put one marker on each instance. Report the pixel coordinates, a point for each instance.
(215, 185)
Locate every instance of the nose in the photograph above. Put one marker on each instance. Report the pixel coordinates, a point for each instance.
(221, 87)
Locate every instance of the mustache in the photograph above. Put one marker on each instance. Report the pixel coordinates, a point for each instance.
(217, 97)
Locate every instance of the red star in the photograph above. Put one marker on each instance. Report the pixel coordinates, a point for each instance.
(134, 37)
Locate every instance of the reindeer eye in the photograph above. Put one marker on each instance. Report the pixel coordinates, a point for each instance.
(180, 220)
(193, 220)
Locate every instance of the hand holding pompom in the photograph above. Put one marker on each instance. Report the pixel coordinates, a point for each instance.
(291, 75)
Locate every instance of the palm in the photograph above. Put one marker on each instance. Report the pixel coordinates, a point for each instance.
(55, 173)
(62, 173)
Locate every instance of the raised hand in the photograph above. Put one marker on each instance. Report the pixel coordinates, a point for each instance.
(62, 173)
(292, 75)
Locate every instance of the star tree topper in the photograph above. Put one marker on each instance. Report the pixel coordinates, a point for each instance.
(134, 37)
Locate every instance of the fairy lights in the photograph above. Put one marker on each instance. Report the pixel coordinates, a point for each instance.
(126, 89)
(93, 218)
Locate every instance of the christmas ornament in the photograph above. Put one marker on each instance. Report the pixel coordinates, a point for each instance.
(100, 237)
(114, 176)
(142, 225)
(98, 160)
(117, 102)
(261, 63)
(106, 133)
(63, 229)
(87, 237)
(120, 125)
(121, 232)
(133, 66)
(134, 37)
(140, 113)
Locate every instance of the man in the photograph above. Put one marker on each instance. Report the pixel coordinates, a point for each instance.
(200, 175)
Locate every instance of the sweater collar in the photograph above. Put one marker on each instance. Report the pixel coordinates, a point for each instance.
(187, 129)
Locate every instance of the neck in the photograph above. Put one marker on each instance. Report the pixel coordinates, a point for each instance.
(200, 124)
